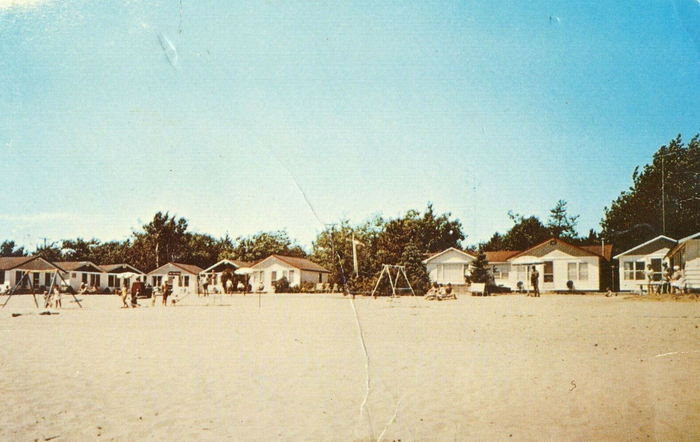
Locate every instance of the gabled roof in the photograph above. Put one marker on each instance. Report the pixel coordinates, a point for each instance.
(681, 243)
(551, 244)
(641, 248)
(299, 263)
(500, 255)
(465, 253)
(605, 251)
(231, 262)
(189, 268)
(33, 262)
(70, 266)
(110, 268)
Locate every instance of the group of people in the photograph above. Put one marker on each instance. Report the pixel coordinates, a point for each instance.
(52, 299)
(672, 280)
(206, 282)
(439, 292)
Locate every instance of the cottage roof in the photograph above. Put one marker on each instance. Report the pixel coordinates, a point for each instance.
(34, 262)
(299, 263)
(228, 262)
(117, 268)
(681, 243)
(189, 268)
(646, 247)
(500, 255)
(88, 266)
(551, 244)
(463, 252)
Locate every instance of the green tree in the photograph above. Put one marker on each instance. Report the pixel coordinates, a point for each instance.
(163, 240)
(412, 259)
(561, 224)
(479, 271)
(665, 191)
(79, 249)
(525, 233)
(263, 244)
(9, 248)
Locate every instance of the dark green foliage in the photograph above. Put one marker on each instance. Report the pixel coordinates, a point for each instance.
(281, 285)
(403, 241)
(9, 248)
(480, 271)
(636, 215)
(417, 274)
(261, 245)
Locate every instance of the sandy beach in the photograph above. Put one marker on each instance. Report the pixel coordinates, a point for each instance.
(294, 368)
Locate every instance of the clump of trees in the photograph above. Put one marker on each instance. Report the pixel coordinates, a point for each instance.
(405, 240)
(664, 198)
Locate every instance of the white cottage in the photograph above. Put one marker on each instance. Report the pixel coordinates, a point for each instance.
(500, 267)
(79, 272)
(296, 270)
(633, 262)
(561, 264)
(686, 255)
(115, 271)
(449, 266)
(215, 272)
(40, 273)
(182, 277)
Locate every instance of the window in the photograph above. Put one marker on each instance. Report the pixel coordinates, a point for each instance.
(499, 272)
(35, 279)
(274, 276)
(47, 279)
(633, 270)
(97, 281)
(572, 271)
(548, 271)
(73, 275)
(110, 280)
(583, 271)
(187, 281)
(85, 278)
(320, 277)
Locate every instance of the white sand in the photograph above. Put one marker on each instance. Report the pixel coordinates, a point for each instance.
(477, 368)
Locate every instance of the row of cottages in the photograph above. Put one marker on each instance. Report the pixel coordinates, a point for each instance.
(187, 278)
(30, 271)
(558, 263)
(42, 273)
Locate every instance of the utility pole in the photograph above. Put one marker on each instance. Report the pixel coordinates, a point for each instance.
(663, 198)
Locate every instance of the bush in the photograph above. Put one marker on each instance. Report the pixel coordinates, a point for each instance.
(282, 285)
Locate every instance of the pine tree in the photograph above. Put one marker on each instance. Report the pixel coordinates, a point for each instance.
(480, 271)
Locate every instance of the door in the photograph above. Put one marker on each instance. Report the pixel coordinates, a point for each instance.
(453, 273)
(656, 267)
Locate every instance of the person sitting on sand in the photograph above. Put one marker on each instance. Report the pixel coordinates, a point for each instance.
(83, 288)
(433, 292)
(56, 298)
(135, 298)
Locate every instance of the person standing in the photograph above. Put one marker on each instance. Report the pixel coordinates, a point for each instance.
(229, 286)
(56, 298)
(205, 285)
(124, 295)
(666, 279)
(649, 272)
(535, 282)
(165, 288)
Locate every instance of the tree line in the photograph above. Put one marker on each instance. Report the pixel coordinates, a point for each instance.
(664, 197)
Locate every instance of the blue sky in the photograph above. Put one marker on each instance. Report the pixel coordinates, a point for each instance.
(112, 110)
